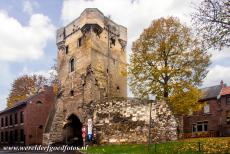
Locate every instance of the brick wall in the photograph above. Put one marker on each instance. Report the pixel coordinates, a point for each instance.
(36, 114)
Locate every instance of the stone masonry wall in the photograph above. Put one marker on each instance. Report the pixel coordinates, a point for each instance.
(127, 121)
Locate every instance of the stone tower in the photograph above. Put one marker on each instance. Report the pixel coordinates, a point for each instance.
(91, 67)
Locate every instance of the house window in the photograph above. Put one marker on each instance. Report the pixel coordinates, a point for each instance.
(207, 108)
(228, 117)
(6, 121)
(21, 135)
(194, 128)
(2, 122)
(6, 136)
(228, 100)
(11, 136)
(2, 137)
(11, 120)
(15, 118)
(79, 42)
(16, 135)
(67, 49)
(21, 117)
(205, 126)
(71, 63)
(202, 126)
(199, 127)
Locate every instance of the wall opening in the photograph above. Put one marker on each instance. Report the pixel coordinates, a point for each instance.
(71, 63)
(79, 42)
(72, 131)
(66, 49)
(71, 93)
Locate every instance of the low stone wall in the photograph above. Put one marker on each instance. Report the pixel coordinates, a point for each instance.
(127, 121)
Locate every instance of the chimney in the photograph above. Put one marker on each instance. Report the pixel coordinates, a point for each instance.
(222, 83)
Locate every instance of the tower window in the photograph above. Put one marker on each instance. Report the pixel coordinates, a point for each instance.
(79, 42)
(71, 65)
(113, 41)
(67, 49)
(71, 93)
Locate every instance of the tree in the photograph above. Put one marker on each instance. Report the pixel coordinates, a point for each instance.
(169, 61)
(212, 19)
(24, 87)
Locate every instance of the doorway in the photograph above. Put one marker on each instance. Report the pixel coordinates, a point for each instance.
(72, 131)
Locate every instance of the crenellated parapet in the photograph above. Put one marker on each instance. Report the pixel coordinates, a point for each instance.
(91, 19)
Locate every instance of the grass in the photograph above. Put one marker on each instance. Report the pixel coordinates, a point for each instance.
(187, 146)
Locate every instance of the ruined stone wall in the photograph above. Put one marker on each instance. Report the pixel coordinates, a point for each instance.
(127, 121)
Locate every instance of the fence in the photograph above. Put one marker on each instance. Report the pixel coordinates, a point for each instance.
(200, 134)
(190, 148)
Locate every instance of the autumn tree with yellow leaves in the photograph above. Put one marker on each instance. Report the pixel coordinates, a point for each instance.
(24, 87)
(167, 60)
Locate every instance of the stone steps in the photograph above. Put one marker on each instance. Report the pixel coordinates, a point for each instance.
(54, 133)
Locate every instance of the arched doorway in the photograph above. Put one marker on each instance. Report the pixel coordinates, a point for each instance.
(72, 131)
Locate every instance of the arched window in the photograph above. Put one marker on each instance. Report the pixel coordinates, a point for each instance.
(71, 64)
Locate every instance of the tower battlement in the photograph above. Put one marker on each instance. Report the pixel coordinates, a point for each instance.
(91, 16)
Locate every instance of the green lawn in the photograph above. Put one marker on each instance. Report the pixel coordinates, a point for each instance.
(188, 146)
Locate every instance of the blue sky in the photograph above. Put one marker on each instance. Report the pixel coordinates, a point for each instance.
(27, 32)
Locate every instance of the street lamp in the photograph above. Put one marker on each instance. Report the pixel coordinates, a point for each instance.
(152, 98)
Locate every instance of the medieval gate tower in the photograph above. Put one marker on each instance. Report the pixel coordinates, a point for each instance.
(91, 67)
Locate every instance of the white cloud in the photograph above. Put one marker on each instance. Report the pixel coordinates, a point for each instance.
(216, 74)
(218, 55)
(18, 42)
(45, 73)
(28, 6)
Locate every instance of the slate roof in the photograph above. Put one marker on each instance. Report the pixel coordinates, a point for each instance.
(211, 92)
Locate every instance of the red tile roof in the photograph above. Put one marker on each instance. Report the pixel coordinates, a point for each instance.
(225, 91)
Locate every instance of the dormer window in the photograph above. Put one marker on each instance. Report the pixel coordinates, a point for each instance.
(71, 64)
(39, 103)
(207, 108)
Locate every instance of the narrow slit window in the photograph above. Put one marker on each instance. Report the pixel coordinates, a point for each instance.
(67, 49)
(72, 65)
(79, 42)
